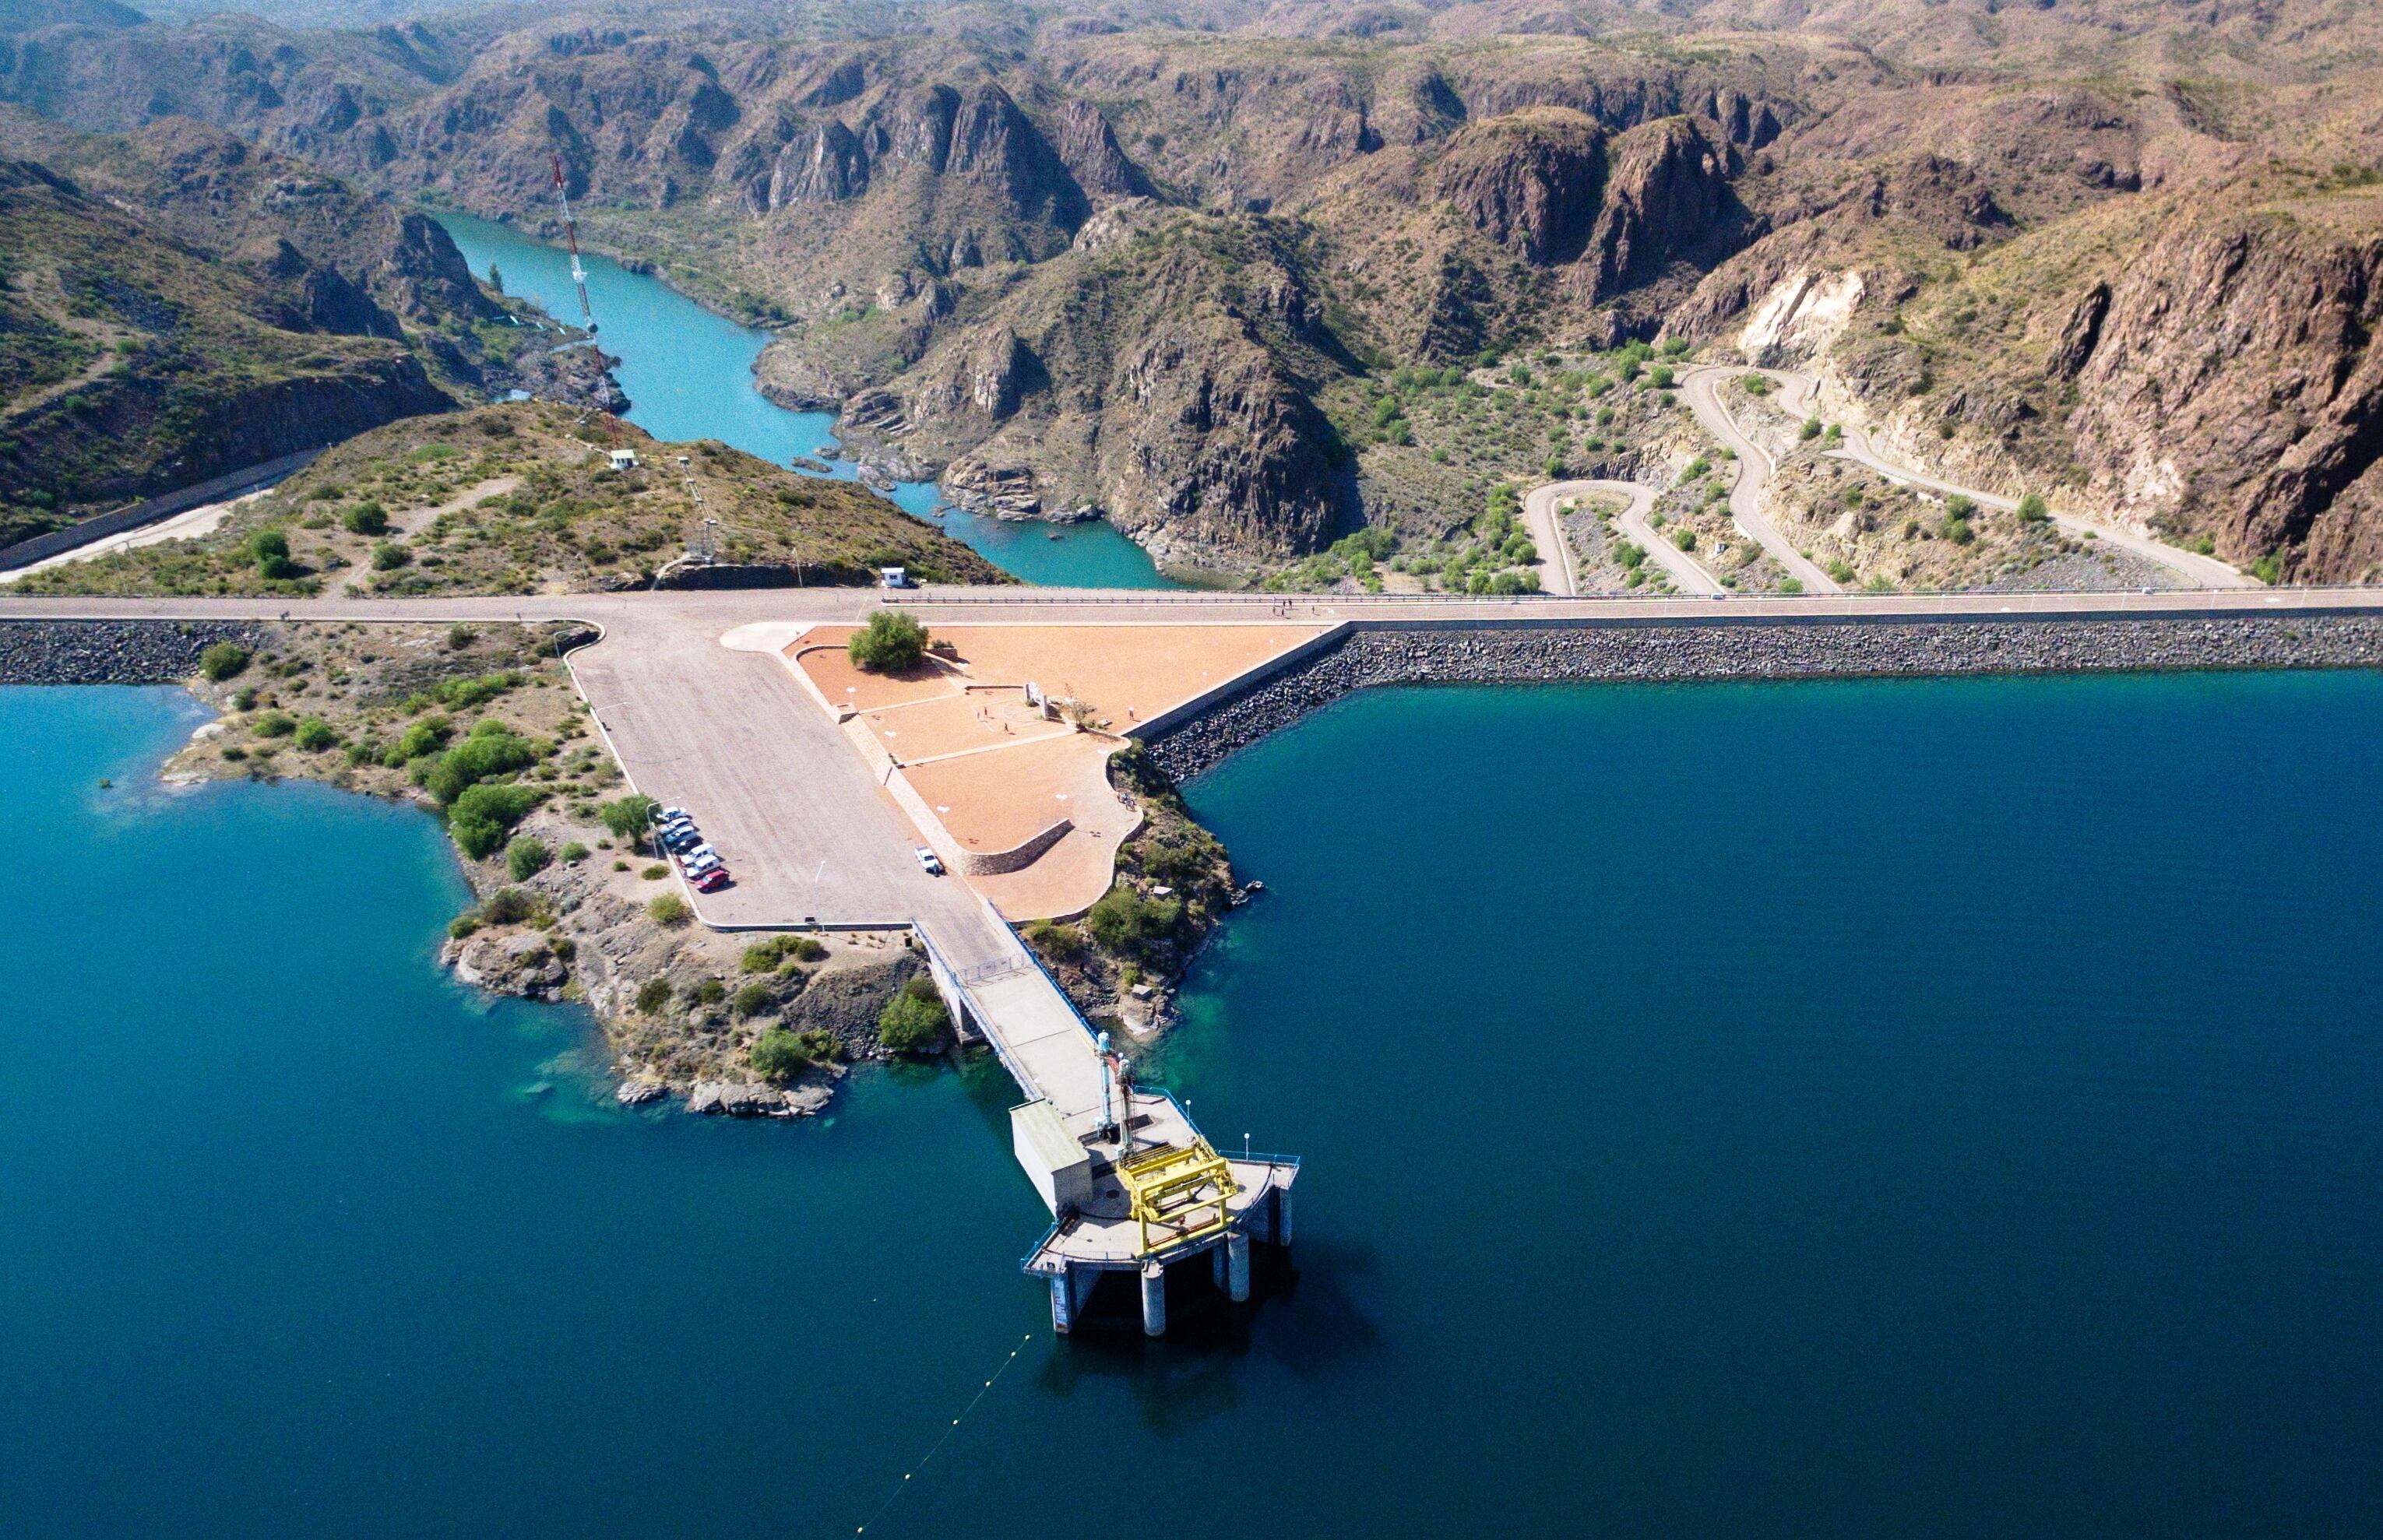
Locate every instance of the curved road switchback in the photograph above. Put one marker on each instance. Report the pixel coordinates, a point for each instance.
(1687, 575)
(1752, 477)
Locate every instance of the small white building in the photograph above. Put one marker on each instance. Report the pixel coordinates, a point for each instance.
(894, 577)
(622, 460)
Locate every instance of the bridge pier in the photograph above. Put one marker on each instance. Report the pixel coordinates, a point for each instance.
(1154, 1298)
(1233, 1258)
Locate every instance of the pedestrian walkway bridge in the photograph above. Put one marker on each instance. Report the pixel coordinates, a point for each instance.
(1131, 1184)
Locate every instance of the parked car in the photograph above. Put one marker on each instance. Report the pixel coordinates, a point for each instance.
(930, 860)
(666, 814)
(704, 861)
(684, 839)
(712, 881)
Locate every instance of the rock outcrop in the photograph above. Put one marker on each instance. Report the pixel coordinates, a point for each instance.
(2230, 386)
(1528, 180)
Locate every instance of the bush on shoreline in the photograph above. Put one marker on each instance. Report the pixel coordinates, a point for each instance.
(914, 1022)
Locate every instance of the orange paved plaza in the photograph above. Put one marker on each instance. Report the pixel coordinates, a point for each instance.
(988, 776)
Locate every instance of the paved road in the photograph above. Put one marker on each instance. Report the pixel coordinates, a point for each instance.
(716, 613)
(1688, 575)
(1747, 497)
(1556, 574)
(1800, 394)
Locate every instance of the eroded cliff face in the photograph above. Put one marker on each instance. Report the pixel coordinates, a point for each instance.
(2228, 385)
(1158, 373)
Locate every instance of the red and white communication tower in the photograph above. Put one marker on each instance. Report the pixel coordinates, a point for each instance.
(571, 236)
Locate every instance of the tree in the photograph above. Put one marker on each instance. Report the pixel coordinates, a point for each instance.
(315, 734)
(669, 909)
(914, 1021)
(889, 644)
(630, 816)
(496, 278)
(2033, 510)
(366, 518)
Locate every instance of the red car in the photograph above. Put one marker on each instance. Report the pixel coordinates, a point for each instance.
(712, 881)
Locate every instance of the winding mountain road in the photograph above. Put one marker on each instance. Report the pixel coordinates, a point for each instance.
(1799, 393)
(1701, 387)
(1687, 575)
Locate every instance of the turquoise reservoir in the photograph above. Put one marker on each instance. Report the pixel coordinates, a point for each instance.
(689, 375)
(1940, 1108)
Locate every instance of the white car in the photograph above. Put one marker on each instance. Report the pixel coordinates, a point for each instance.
(929, 860)
(699, 865)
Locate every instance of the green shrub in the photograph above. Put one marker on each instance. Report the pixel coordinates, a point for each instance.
(387, 556)
(751, 1000)
(1841, 570)
(366, 518)
(489, 750)
(269, 549)
(223, 661)
(2033, 510)
(890, 643)
(2268, 569)
(483, 815)
(710, 991)
(274, 724)
(777, 1054)
(1659, 377)
(1064, 942)
(669, 909)
(315, 734)
(655, 872)
(1756, 385)
(1958, 530)
(574, 852)
(914, 1021)
(1812, 429)
(463, 925)
(508, 906)
(427, 736)
(652, 995)
(1684, 538)
(1790, 585)
(1124, 922)
(1697, 467)
(1959, 507)
(526, 856)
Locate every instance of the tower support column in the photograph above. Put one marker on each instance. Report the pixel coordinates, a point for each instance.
(1154, 1300)
(1236, 1254)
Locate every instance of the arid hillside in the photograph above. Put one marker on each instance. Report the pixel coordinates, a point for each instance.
(1162, 260)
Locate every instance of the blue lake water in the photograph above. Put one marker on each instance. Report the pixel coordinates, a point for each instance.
(689, 375)
(1922, 1108)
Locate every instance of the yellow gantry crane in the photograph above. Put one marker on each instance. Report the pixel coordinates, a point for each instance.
(1178, 1192)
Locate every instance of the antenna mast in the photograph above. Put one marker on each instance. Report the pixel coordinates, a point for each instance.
(571, 236)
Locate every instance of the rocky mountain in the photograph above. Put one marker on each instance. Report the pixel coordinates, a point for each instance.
(179, 303)
(1161, 259)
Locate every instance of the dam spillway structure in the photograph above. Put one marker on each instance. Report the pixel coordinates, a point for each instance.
(1132, 1185)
